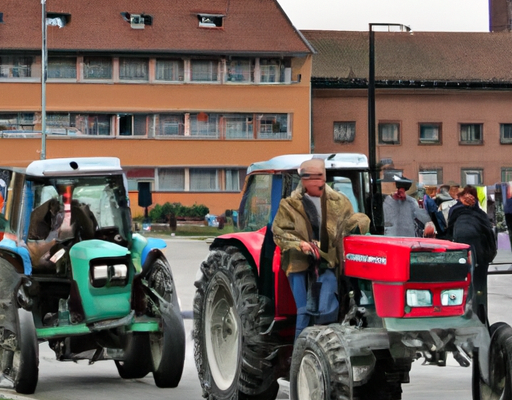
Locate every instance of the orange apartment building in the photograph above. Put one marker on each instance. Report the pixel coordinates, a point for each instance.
(443, 102)
(186, 93)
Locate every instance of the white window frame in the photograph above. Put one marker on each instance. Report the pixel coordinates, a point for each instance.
(431, 176)
(472, 176)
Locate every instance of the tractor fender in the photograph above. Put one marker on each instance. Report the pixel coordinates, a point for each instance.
(151, 255)
(251, 242)
(152, 244)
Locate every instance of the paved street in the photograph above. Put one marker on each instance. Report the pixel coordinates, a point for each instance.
(70, 381)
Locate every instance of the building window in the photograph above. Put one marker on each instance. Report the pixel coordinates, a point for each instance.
(233, 180)
(431, 177)
(204, 180)
(133, 125)
(204, 70)
(89, 124)
(238, 126)
(472, 176)
(430, 133)
(172, 179)
(97, 68)
(505, 133)
(272, 126)
(62, 67)
(389, 133)
(170, 125)
(271, 70)
(239, 70)
(133, 69)
(471, 133)
(204, 125)
(506, 174)
(16, 66)
(210, 21)
(169, 70)
(344, 132)
(17, 122)
(60, 124)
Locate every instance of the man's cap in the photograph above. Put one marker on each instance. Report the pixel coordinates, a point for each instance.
(312, 169)
(402, 182)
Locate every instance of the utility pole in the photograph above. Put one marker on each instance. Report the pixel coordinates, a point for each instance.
(44, 68)
(372, 134)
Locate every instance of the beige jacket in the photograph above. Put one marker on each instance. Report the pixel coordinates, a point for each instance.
(291, 225)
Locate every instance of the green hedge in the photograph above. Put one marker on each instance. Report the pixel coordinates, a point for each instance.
(161, 213)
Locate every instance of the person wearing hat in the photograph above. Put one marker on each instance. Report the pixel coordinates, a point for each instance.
(306, 228)
(401, 211)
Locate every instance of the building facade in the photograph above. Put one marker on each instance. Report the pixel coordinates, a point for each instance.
(442, 102)
(186, 93)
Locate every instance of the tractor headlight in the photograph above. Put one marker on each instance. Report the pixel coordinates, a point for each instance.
(419, 298)
(452, 297)
(109, 275)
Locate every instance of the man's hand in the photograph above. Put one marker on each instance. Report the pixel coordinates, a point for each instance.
(305, 247)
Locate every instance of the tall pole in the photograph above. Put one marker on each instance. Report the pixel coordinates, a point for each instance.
(44, 67)
(372, 151)
(376, 201)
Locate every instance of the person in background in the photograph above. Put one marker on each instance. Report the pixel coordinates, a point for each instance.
(402, 212)
(305, 228)
(507, 209)
(468, 223)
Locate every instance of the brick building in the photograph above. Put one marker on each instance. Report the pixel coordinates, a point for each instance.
(443, 102)
(186, 93)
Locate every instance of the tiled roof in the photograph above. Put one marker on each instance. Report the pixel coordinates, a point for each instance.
(416, 56)
(250, 26)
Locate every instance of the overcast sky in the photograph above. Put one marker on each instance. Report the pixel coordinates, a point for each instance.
(419, 15)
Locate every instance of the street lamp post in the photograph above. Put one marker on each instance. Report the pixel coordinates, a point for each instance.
(372, 148)
(44, 64)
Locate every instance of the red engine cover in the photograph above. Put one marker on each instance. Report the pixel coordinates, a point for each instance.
(386, 262)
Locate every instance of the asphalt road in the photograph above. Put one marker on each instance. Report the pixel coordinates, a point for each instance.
(70, 381)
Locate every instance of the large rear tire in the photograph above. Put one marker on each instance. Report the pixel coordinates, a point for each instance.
(26, 357)
(233, 358)
(168, 346)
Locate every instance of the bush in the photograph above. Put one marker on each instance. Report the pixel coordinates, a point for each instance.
(161, 213)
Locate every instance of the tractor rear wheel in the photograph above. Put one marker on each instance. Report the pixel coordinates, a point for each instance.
(233, 358)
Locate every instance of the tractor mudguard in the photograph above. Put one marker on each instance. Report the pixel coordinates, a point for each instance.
(250, 241)
(153, 243)
(141, 247)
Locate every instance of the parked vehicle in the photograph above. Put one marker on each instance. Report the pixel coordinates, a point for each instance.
(407, 295)
(75, 275)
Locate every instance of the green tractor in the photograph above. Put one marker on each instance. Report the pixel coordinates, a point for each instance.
(73, 274)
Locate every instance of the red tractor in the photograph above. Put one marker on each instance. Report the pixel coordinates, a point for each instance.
(408, 295)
